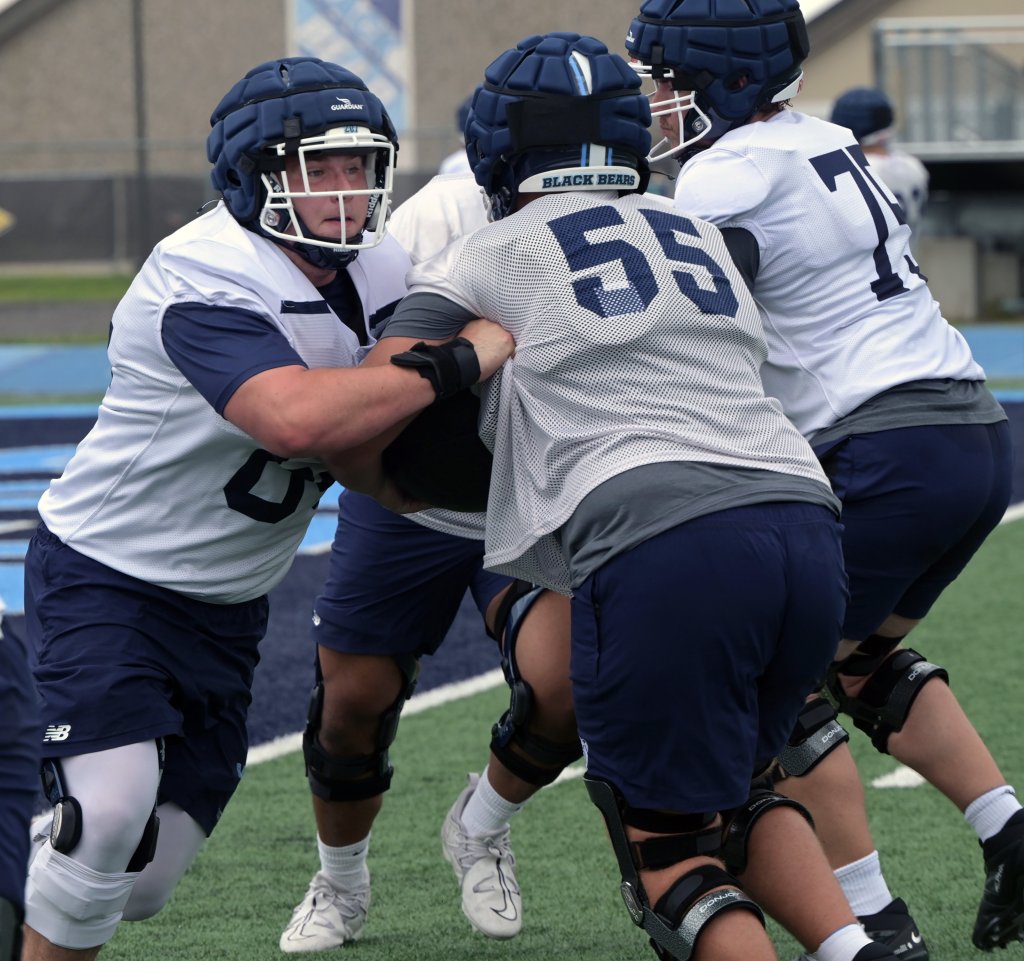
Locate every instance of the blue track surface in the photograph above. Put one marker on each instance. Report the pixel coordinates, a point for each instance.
(36, 442)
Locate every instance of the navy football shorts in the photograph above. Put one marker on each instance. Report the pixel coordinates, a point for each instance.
(692, 654)
(394, 586)
(121, 661)
(917, 503)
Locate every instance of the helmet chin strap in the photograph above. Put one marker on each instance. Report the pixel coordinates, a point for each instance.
(714, 127)
(325, 258)
(706, 125)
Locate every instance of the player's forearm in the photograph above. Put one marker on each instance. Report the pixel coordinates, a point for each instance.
(294, 411)
(321, 412)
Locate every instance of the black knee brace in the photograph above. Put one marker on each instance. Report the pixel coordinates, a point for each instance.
(884, 703)
(674, 924)
(536, 759)
(364, 776)
(816, 734)
(738, 823)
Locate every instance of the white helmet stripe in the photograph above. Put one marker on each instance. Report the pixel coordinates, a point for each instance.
(581, 72)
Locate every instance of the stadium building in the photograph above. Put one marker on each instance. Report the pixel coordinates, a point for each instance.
(105, 116)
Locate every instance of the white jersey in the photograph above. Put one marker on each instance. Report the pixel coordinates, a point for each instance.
(442, 210)
(163, 488)
(846, 312)
(906, 177)
(629, 352)
(445, 208)
(455, 163)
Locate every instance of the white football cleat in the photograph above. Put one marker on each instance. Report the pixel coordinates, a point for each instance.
(484, 868)
(326, 918)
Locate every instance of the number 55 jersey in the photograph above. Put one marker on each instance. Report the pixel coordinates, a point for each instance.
(846, 312)
(637, 353)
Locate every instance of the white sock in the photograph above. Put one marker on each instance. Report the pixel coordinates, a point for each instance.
(842, 945)
(345, 866)
(989, 813)
(487, 812)
(864, 886)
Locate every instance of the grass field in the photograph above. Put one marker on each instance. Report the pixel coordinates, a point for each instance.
(62, 287)
(236, 898)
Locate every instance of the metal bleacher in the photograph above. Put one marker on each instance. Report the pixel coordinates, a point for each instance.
(958, 83)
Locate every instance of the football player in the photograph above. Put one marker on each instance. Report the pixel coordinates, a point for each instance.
(890, 397)
(232, 398)
(639, 466)
(867, 113)
(393, 588)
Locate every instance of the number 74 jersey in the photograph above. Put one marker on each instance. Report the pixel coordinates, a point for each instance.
(846, 310)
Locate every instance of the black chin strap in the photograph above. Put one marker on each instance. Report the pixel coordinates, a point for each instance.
(326, 258)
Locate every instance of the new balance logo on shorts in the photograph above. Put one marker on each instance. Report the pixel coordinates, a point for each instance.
(57, 732)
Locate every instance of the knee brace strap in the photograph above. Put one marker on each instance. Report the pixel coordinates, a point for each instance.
(662, 852)
(541, 760)
(365, 775)
(884, 703)
(683, 836)
(816, 735)
(740, 821)
(691, 902)
(346, 778)
(868, 655)
(72, 905)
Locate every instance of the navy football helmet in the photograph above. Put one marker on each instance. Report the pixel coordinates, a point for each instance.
(725, 60)
(293, 108)
(867, 112)
(558, 112)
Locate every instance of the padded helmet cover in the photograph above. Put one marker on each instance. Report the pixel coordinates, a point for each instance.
(711, 44)
(277, 102)
(555, 101)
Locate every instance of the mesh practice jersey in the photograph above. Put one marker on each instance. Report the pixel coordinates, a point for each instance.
(907, 178)
(846, 312)
(636, 343)
(163, 488)
(447, 207)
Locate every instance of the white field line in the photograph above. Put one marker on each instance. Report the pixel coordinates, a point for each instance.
(1013, 513)
(447, 693)
(903, 776)
(12, 527)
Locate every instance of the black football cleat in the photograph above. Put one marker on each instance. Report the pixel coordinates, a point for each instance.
(894, 928)
(1001, 912)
